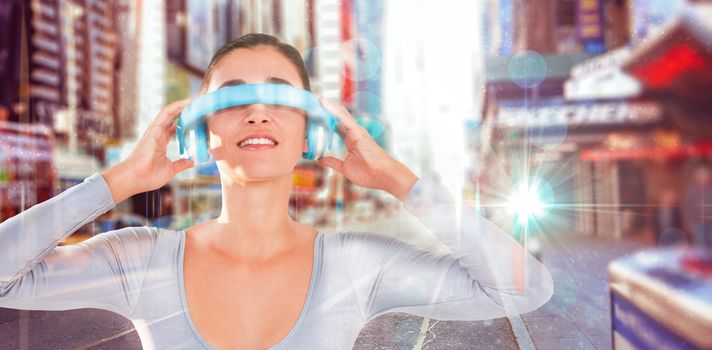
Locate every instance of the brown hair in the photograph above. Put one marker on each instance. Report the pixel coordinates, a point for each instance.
(248, 41)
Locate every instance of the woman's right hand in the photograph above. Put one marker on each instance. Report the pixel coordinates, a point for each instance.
(147, 167)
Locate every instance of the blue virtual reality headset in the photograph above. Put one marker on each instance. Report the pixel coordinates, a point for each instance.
(192, 131)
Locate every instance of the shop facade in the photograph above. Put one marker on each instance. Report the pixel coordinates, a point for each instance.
(655, 165)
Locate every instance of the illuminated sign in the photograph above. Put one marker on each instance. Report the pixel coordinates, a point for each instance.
(610, 113)
(589, 25)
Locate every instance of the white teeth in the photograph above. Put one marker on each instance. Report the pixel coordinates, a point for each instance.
(256, 141)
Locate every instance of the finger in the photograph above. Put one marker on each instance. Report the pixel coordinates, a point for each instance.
(332, 162)
(345, 118)
(182, 164)
(170, 112)
(171, 131)
(341, 130)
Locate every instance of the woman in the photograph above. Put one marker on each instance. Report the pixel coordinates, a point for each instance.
(253, 277)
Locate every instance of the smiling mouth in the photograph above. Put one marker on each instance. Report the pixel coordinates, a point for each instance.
(257, 143)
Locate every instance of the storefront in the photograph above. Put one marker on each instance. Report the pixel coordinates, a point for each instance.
(538, 131)
(673, 70)
(558, 135)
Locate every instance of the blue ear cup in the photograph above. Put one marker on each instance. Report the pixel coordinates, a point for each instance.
(318, 140)
(193, 143)
(201, 142)
(192, 126)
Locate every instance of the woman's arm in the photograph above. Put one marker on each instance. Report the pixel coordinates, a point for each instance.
(26, 237)
(487, 274)
(105, 271)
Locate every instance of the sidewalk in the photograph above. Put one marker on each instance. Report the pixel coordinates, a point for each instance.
(578, 315)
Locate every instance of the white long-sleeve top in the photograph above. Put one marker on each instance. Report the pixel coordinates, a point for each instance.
(138, 272)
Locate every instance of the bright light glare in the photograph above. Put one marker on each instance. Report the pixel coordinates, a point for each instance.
(526, 203)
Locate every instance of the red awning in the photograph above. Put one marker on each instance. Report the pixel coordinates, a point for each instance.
(679, 58)
(694, 150)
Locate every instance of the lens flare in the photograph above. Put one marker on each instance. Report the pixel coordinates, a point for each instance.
(530, 199)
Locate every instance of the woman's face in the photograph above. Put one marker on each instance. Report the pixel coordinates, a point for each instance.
(230, 128)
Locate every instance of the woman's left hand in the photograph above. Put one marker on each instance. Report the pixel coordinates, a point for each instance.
(366, 163)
